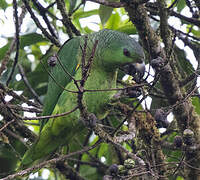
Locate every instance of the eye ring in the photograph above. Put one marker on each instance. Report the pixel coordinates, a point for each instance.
(126, 52)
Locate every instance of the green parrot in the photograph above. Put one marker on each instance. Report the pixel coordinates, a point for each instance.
(114, 50)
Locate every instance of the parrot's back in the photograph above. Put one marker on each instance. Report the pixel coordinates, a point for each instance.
(68, 57)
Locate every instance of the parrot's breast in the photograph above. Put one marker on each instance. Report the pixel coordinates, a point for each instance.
(96, 101)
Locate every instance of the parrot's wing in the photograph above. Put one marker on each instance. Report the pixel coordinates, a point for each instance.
(67, 57)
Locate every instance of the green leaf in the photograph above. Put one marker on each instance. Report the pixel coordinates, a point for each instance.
(87, 30)
(183, 61)
(105, 13)
(128, 29)
(3, 50)
(83, 14)
(103, 150)
(25, 40)
(6, 74)
(90, 173)
(3, 5)
(113, 22)
(72, 5)
(196, 103)
(180, 5)
(196, 32)
(29, 39)
(179, 178)
(7, 158)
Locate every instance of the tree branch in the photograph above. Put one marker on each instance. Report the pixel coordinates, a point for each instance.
(44, 31)
(184, 113)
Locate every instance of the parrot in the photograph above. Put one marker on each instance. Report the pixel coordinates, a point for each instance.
(114, 50)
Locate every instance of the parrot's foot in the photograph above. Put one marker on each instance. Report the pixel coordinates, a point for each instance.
(90, 121)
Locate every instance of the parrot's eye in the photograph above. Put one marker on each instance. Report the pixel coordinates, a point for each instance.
(126, 52)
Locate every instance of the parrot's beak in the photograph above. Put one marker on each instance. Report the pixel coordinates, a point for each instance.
(136, 70)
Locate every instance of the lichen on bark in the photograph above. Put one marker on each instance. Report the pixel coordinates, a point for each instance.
(183, 110)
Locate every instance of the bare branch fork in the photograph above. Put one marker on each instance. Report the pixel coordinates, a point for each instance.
(37, 22)
(70, 28)
(85, 74)
(42, 12)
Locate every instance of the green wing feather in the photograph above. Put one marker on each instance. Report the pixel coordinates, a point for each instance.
(68, 57)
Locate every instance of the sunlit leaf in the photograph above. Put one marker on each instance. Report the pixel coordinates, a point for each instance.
(83, 14)
(128, 29)
(113, 22)
(196, 32)
(179, 178)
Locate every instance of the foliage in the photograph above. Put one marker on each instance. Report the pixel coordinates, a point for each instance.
(24, 77)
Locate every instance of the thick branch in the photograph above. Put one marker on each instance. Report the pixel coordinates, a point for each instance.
(184, 113)
(44, 31)
(66, 20)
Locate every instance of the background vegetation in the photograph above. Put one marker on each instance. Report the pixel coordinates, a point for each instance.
(137, 149)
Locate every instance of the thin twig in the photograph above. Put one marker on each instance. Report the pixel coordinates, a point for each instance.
(37, 22)
(26, 82)
(50, 5)
(85, 73)
(42, 12)
(66, 20)
(51, 76)
(52, 161)
(51, 116)
(16, 96)
(177, 30)
(26, 109)
(17, 30)
(6, 125)
(185, 18)
(173, 4)
(66, 71)
(6, 58)
(87, 68)
(114, 89)
(108, 3)
(16, 136)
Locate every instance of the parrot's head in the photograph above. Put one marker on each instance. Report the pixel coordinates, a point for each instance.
(123, 51)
